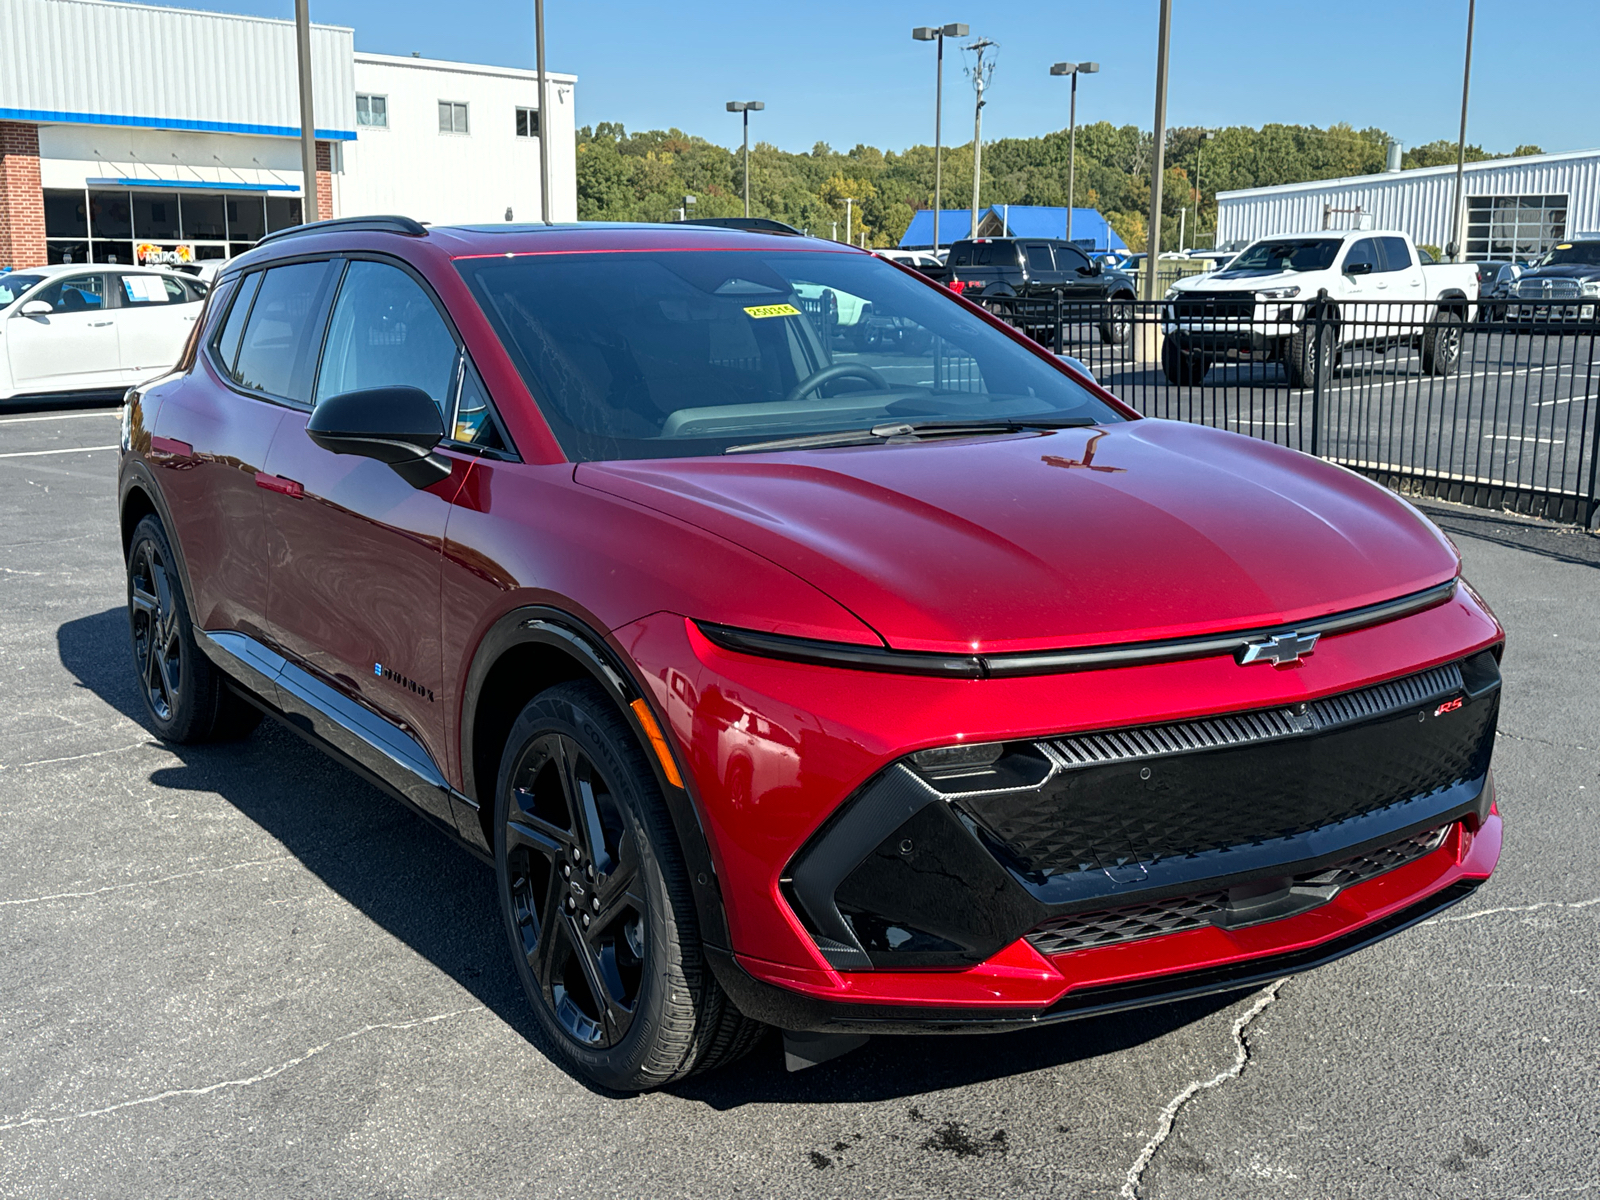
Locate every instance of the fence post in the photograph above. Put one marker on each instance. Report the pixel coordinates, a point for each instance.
(1319, 332)
(1060, 344)
(1593, 507)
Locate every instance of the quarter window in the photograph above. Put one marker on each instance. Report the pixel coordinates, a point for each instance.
(386, 332)
(273, 350)
(528, 122)
(233, 327)
(452, 117)
(475, 423)
(372, 111)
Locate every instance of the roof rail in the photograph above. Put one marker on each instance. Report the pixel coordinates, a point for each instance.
(401, 225)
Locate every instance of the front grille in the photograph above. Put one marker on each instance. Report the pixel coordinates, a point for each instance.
(1213, 306)
(1547, 289)
(1134, 922)
(1123, 800)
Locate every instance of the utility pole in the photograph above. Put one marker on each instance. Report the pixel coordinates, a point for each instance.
(927, 33)
(746, 107)
(1453, 251)
(544, 114)
(1199, 196)
(308, 122)
(980, 80)
(849, 202)
(1159, 150)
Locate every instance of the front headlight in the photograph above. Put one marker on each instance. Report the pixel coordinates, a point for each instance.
(1172, 294)
(1283, 293)
(1592, 289)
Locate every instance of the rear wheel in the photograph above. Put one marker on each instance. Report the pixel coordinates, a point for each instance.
(1441, 344)
(184, 695)
(597, 903)
(1116, 326)
(1181, 367)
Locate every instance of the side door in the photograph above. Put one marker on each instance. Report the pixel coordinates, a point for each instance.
(1400, 279)
(356, 552)
(153, 321)
(74, 345)
(1359, 278)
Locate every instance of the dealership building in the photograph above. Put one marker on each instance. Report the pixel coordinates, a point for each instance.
(1515, 207)
(133, 133)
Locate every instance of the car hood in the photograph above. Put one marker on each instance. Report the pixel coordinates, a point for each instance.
(1128, 532)
(1585, 271)
(1238, 281)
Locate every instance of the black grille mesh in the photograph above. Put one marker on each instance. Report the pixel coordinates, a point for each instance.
(1109, 926)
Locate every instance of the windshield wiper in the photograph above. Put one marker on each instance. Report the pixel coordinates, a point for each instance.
(890, 430)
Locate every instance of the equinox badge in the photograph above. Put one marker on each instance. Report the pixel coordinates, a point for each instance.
(1279, 650)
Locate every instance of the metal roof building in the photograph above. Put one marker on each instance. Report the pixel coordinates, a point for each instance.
(136, 133)
(1515, 207)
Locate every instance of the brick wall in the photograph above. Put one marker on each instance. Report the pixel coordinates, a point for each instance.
(21, 196)
(324, 181)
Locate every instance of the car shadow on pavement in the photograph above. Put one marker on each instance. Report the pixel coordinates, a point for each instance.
(440, 901)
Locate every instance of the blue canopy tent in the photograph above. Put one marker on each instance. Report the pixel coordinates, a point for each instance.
(1089, 229)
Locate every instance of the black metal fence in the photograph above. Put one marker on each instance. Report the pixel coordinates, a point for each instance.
(1491, 406)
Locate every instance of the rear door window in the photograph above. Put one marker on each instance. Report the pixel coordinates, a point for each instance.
(278, 341)
(386, 332)
(1396, 254)
(1039, 260)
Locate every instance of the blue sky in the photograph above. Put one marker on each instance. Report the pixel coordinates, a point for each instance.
(845, 73)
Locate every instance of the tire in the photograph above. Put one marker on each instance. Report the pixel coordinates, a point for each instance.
(1441, 344)
(1311, 356)
(1116, 327)
(627, 999)
(1183, 369)
(184, 696)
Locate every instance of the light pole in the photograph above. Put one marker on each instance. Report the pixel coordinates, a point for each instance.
(308, 121)
(1073, 69)
(746, 107)
(1199, 196)
(929, 33)
(544, 113)
(1159, 150)
(849, 201)
(1454, 249)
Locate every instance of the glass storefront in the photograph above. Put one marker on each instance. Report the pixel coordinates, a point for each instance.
(133, 225)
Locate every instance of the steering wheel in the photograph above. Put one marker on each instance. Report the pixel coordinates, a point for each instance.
(828, 374)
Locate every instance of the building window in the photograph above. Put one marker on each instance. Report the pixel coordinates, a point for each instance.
(528, 122)
(372, 110)
(452, 117)
(1514, 226)
(153, 227)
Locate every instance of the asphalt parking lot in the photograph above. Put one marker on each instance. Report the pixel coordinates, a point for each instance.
(239, 971)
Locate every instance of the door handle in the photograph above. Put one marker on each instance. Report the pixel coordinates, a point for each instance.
(98, 324)
(277, 483)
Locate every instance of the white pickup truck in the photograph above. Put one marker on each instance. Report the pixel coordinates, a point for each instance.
(1358, 288)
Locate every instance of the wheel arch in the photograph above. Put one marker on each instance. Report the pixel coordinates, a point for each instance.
(1453, 300)
(137, 498)
(536, 647)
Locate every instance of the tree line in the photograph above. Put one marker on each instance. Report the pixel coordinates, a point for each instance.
(626, 176)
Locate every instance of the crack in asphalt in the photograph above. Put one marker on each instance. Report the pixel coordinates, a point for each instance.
(1523, 737)
(1514, 908)
(271, 1072)
(138, 883)
(1169, 1114)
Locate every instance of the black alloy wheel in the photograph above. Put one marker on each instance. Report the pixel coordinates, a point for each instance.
(184, 695)
(598, 904)
(1116, 327)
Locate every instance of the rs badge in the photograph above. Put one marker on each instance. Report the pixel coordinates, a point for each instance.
(1280, 650)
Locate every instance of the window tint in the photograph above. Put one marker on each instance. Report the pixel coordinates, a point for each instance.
(1396, 255)
(961, 256)
(475, 421)
(273, 348)
(80, 293)
(1039, 258)
(1364, 251)
(385, 332)
(228, 342)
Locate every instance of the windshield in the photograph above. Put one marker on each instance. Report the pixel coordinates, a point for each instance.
(675, 354)
(14, 283)
(1585, 253)
(1291, 254)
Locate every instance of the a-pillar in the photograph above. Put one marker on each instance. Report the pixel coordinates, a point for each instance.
(21, 196)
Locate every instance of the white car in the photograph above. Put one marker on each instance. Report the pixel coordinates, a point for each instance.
(91, 327)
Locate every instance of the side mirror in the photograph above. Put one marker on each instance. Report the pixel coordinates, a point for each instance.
(399, 426)
(36, 308)
(1358, 268)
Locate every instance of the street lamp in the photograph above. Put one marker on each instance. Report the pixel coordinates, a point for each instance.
(746, 107)
(1073, 69)
(931, 33)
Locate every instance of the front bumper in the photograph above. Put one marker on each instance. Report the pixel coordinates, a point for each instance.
(775, 749)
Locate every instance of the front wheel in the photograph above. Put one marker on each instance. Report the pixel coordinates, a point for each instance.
(1311, 354)
(1182, 368)
(597, 903)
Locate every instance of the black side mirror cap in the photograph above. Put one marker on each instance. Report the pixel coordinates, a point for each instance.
(399, 426)
(1358, 268)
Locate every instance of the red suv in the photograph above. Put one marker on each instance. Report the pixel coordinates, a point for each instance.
(923, 689)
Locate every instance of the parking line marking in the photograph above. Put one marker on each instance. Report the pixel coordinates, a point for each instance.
(1511, 437)
(114, 414)
(71, 450)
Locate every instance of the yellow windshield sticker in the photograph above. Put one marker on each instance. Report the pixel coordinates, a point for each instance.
(1563, 246)
(773, 310)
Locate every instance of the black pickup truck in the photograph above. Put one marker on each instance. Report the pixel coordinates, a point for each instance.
(1026, 274)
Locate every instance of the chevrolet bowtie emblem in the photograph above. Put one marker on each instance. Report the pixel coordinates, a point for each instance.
(1278, 650)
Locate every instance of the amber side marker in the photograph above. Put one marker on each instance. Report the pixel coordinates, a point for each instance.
(658, 742)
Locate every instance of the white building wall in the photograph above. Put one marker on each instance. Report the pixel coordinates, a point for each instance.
(1417, 202)
(413, 169)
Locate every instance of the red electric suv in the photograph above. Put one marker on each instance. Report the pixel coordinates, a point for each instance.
(785, 683)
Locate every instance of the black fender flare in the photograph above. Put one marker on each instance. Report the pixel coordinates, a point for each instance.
(544, 625)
